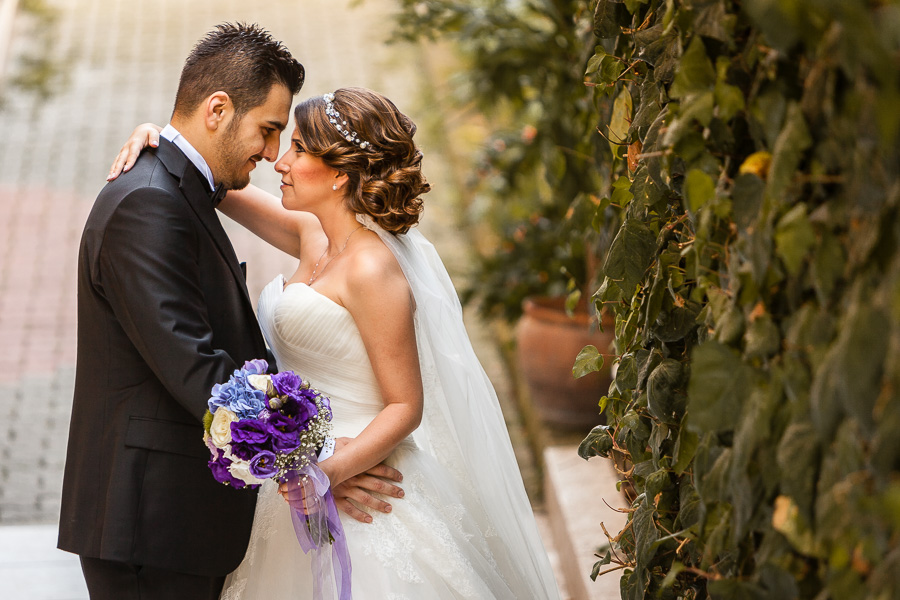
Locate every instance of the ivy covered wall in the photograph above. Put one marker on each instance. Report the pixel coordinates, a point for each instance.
(755, 279)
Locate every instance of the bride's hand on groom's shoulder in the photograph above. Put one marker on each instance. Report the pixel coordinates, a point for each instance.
(145, 134)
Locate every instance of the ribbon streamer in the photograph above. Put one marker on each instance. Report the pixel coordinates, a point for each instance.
(317, 525)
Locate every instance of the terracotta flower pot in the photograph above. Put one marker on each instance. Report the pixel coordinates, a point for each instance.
(548, 340)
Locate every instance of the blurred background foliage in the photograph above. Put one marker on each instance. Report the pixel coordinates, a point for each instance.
(531, 198)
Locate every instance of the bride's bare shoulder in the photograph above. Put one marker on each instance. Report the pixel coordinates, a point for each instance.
(373, 268)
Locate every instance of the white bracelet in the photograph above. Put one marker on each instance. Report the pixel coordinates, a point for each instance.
(327, 449)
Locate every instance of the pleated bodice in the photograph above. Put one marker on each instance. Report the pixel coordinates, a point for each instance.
(317, 338)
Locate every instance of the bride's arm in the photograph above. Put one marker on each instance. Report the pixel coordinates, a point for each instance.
(258, 211)
(263, 214)
(380, 302)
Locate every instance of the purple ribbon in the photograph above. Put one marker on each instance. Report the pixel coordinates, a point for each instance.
(317, 524)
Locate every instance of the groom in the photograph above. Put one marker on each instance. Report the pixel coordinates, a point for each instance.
(163, 314)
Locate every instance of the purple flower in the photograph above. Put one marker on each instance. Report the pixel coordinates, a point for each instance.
(249, 437)
(255, 367)
(284, 432)
(262, 466)
(219, 467)
(300, 406)
(286, 382)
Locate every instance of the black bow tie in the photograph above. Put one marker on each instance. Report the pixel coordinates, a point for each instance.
(217, 194)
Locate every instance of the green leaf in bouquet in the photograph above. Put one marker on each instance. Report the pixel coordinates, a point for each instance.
(207, 421)
(589, 360)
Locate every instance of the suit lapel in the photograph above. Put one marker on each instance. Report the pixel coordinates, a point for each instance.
(196, 192)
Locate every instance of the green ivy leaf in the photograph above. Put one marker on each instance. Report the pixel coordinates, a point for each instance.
(662, 386)
(626, 374)
(620, 121)
(605, 24)
(699, 189)
(763, 338)
(747, 197)
(794, 237)
(712, 21)
(717, 389)
(597, 443)
(630, 255)
(685, 448)
(729, 99)
(594, 63)
(792, 142)
(589, 360)
(827, 266)
(645, 535)
(695, 71)
(731, 589)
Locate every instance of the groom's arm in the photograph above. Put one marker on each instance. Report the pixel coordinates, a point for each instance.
(148, 270)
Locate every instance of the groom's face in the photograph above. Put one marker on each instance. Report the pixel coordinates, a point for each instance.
(250, 138)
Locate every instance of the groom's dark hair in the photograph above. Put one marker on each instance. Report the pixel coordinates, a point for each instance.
(242, 60)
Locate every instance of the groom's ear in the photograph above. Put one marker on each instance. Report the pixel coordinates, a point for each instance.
(218, 110)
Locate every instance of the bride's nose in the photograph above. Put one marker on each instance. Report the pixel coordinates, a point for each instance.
(281, 166)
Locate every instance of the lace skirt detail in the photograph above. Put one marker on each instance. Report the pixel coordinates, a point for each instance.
(432, 545)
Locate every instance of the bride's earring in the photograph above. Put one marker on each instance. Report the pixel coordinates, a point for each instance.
(334, 187)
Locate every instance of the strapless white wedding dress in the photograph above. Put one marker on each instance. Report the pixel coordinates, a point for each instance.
(432, 546)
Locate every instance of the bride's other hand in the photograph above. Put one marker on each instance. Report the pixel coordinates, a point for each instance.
(379, 479)
(359, 488)
(146, 134)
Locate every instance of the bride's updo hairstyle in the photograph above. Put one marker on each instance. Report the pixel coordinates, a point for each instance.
(381, 160)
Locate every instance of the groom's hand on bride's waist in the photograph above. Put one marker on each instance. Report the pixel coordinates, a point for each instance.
(357, 491)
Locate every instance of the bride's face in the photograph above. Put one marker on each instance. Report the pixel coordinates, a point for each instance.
(305, 180)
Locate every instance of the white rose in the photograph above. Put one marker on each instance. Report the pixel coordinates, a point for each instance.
(260, 382)
(240, 469)
(220, 430)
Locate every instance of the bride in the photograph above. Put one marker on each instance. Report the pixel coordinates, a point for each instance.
(371, 318)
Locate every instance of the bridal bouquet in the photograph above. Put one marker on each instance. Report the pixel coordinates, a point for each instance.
(262, 426)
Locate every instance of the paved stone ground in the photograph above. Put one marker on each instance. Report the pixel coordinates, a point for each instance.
(122, 59)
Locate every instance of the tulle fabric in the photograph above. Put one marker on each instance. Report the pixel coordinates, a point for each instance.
(465, 528)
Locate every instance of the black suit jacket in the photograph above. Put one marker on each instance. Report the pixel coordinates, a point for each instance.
(163, 314)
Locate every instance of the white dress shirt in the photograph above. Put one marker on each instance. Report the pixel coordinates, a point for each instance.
(172, 134)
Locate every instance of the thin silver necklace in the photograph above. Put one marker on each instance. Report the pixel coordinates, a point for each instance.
(316, 268)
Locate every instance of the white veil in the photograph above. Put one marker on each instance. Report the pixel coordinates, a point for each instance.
(463, 426)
